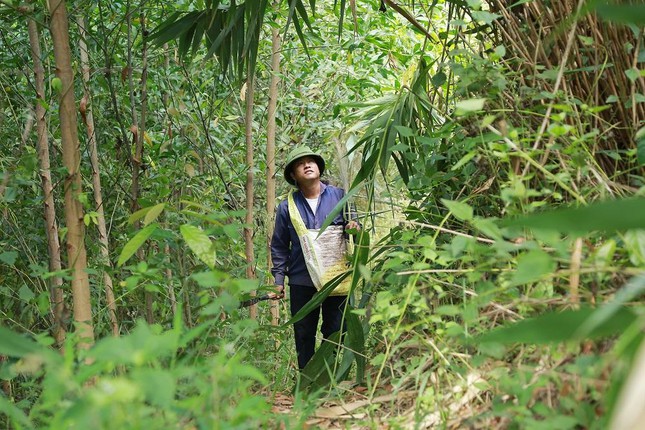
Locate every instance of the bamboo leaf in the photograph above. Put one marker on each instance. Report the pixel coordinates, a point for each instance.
(135, 243)
(317, 299)
(338, 208)
(634, 288)
(173, 27)
(622, 13)
(608, 216)
(559, 327)
(138, 215)
(317, 373)
(355, 341)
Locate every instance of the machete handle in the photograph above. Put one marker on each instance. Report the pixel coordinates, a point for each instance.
(254, 300)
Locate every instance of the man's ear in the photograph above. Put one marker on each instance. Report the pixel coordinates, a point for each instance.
(292, 175)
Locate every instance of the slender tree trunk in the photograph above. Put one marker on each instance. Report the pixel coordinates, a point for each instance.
(271, 128)
(138, 130)
(76, 254)
(171, 288)
(248, 230)
(51, 226)
(166, 99)
(142, 133)
(88, 119)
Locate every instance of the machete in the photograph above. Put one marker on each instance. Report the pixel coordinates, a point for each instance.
(254, 300)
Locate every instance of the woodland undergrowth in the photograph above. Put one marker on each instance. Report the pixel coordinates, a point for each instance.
(495, 153)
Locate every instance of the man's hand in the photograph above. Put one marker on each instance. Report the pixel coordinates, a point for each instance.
(278, 293)
(352, 227)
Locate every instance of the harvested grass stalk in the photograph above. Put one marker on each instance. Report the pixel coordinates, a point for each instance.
(536, 35)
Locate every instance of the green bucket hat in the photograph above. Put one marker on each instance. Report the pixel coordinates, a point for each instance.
(299, 152)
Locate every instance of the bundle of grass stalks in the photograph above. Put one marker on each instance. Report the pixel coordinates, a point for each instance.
(572, 57)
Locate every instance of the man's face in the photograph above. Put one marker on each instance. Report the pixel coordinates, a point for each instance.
(305, 169)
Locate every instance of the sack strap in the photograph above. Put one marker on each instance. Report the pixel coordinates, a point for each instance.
(296, 218)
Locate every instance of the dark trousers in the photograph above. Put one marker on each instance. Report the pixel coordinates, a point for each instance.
(305, 329)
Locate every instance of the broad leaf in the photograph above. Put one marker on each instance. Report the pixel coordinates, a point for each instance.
(470, 105)
(199, 243)
(14, 345)
(135, 243)
(532, 266)
(460, 210)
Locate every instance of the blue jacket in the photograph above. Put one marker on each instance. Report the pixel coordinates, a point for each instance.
(286, 252)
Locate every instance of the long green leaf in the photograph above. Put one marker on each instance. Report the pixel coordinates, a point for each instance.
(622, 13)
(634, 288)
(361, 256)
(608, 216)
(559, 327)
(135, 243)
(338, 208)
(317, 299)
(174, 27)
(153, 213)
(318, 372)
(355, 341)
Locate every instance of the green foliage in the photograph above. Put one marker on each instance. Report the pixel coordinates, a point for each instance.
(231, 31)
(463, 161)
(147, 379)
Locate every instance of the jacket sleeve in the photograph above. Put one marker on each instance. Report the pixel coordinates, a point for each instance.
(280, 245)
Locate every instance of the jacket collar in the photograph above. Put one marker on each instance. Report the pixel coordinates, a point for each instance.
(323, 187)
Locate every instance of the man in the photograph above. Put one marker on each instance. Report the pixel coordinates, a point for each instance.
(314, 200)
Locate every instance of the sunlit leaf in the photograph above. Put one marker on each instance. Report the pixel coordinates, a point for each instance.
(460, 210)
(199, 243)
(153, 213)
(470, 105)
(135, 243)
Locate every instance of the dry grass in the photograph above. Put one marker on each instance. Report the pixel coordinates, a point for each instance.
(590, 57)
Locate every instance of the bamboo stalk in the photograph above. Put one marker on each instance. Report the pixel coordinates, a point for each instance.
(574, 279)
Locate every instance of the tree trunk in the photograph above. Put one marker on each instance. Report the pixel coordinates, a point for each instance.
(88, 119)
(248, 230)
(138, 130)
(166, 99)
(51, 226)
(142, 134)
(171, 287)
(271, 126)
(76, 254)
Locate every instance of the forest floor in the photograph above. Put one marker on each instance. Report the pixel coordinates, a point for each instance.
(393, 410)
